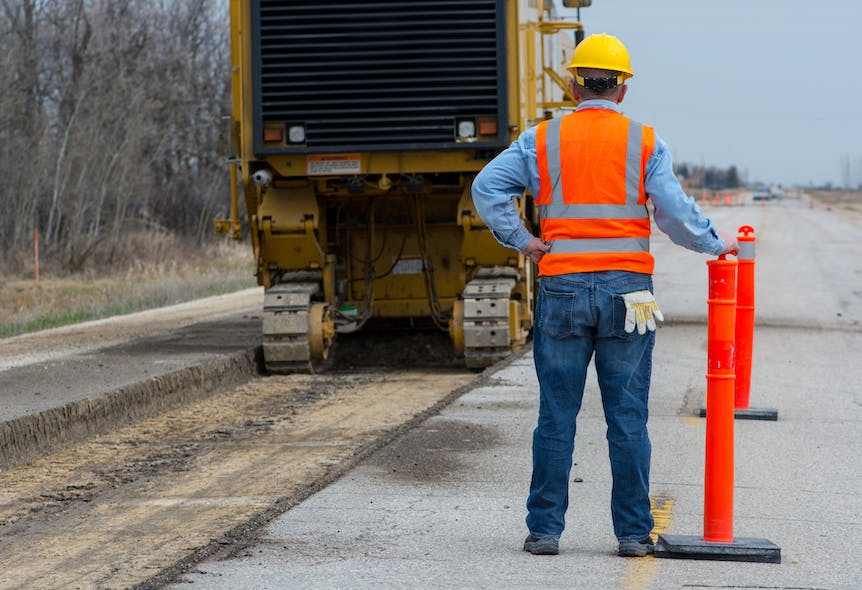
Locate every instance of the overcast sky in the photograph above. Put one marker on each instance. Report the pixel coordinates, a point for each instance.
(772, 86)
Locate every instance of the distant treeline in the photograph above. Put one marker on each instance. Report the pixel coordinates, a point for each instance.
(708, 176)
(110, 119)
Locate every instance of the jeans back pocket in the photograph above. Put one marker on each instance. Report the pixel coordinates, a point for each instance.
(558, 314)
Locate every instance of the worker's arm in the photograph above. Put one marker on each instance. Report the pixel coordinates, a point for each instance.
(501, 180)
(676, 213)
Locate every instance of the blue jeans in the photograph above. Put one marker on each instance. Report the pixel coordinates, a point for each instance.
(578, 315)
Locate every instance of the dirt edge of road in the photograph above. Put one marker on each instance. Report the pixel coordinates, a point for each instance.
(25, 438)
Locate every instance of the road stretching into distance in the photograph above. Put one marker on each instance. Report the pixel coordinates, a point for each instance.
(398, 469)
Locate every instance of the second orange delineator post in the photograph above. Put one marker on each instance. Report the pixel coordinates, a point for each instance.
(720, 376)
(745, 329)
(744, 315)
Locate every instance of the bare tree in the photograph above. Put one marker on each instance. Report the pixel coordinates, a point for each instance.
(109, 121)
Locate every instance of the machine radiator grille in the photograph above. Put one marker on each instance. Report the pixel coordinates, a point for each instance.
(361, 75)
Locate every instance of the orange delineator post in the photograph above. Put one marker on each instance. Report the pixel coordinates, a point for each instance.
(745, 329)
(718, 541)
(744, 316)
(720, 376)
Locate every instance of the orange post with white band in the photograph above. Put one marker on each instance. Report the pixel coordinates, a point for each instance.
(720, 376)
(744, 315)
(745, 329)
(718, 541)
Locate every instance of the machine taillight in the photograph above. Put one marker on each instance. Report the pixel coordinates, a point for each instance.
(272, 133)
(487, 126)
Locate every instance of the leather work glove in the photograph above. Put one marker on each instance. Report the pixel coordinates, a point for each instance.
(641, 311)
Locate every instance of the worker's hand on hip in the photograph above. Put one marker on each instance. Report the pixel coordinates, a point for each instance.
(641, 311)
(730, 243)
(536, 249)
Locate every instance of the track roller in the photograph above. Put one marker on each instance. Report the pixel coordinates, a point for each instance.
(485, 317)
(297, 333)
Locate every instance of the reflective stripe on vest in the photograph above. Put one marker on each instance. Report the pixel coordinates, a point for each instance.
(626, 225)
(584, 245)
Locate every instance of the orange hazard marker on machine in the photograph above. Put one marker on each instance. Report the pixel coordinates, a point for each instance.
(745, 330)
(718, 541)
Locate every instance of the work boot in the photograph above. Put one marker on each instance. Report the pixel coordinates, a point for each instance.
(636, 548)
(542, 545)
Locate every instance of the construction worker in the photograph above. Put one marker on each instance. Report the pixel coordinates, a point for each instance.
(590, 174)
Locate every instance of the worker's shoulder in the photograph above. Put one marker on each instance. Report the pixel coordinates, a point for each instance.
(527, 138)
(639, 122)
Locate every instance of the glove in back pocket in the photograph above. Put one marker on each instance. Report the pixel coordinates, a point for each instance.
(616, 326)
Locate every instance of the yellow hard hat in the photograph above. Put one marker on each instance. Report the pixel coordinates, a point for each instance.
(604, 52)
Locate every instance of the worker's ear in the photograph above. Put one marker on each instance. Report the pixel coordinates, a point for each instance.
(622, 94)
(574, 88)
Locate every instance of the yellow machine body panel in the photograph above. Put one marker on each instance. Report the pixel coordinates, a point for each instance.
(354, 142)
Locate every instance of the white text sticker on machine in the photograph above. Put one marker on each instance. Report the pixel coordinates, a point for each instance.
(408, 265)
(321, 165)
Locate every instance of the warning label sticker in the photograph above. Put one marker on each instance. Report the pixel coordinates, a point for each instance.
(407, 265)
(334, 164)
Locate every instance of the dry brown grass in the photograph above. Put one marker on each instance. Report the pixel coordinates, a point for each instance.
(848, 203)
(154, 270)
(846, 197)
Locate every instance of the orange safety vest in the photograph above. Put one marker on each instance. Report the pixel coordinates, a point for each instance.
(592, 201)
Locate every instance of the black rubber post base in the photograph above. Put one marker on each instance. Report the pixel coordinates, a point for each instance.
(742, 549)
(749, 414)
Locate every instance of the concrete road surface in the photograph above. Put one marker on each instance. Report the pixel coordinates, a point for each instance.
(443, 506)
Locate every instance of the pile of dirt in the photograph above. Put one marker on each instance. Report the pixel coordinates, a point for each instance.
(376, 349)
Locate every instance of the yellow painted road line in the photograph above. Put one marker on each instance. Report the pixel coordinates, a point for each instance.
(693, 421)
(642, 571)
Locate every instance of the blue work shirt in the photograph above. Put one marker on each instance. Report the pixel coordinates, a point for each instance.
(517, 168)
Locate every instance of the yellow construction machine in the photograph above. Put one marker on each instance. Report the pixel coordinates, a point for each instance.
(357, 129)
